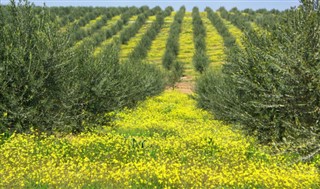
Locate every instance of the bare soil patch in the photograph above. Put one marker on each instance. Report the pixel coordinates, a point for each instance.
(185, 85)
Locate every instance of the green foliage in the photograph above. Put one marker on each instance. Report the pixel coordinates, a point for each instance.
(168, 59)
(271, 87)
(249, 15)
(101, 85)
(198, 27)
(172, 46)
(214, 93)
(229, 40)
(127, 14)
(47, 86)
(131, 31)
(32, 68)
(200, 58)
(79, 34)
(113, 85)
(84, 32)
(101, 35)
(127, 34)
(68, 15)
(175, 74)
(141, 50)
(237, 19)
(268, 19)
(139, 81)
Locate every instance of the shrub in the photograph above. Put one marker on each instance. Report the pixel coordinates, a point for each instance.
(200, 61)
(271, 86)
(114, 85)
(167, 60)
(141, 50)
(237, 18)
(200, 58)
(81, 33)
(32, 59)
(229, 40)
(172, 45)
(50, 87)
(268, 19)
(175, 73)
(129, 32)
(215, 93)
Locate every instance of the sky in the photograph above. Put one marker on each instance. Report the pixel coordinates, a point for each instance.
(176, 4)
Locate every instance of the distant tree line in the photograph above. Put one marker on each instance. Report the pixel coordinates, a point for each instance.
(131, 31)
(99, 36)
(236, 18)
(84, 32)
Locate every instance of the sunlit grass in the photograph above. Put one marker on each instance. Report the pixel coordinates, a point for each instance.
(68, 25)
(126, 49)
(214, 42)
(91, 23)
(186, 43)
(236, 32)
(109, 23)
(158, 46)
(99, 48)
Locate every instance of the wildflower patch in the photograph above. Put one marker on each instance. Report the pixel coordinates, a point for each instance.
(166, 142)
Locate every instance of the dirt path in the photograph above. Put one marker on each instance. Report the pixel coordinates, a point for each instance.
(186, 85)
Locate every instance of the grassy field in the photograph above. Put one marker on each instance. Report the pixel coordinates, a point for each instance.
(97, 50)
(126, 49)
(236, 32)
(109, 23)
(187, 49)
(158, 46)
(166, 142)
(214, 42)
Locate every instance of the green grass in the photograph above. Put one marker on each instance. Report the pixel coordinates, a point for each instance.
(214, 42)
(126, 49)
(187, 48)
(236, 32)
(99, 48)
(166, 142)
(158, 46)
